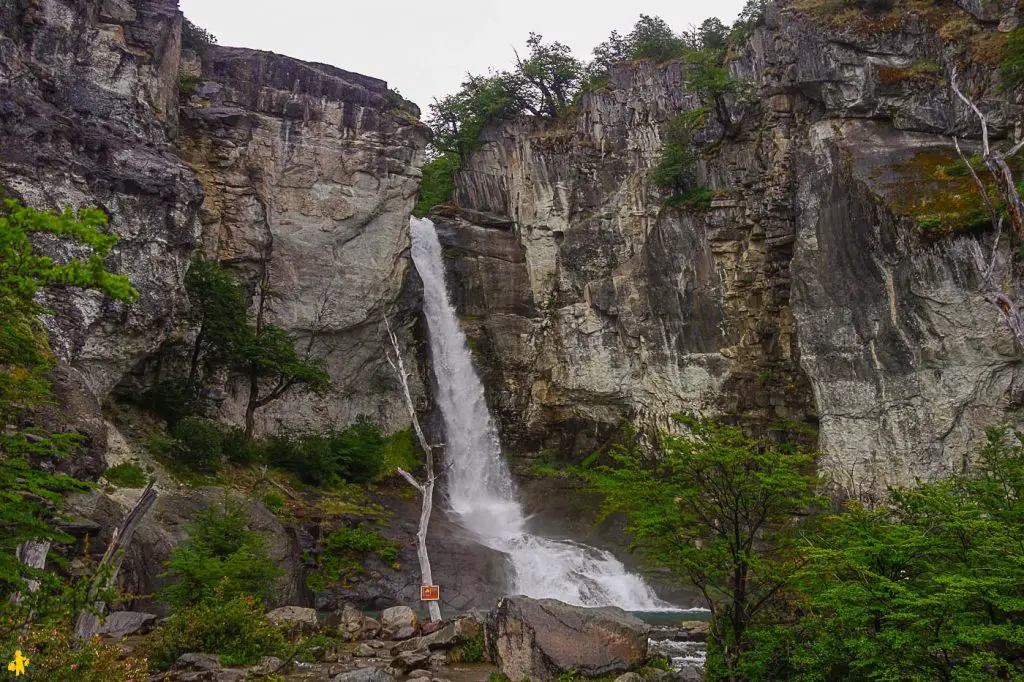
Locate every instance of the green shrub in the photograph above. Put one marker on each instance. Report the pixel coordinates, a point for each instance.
(399, 452)
(196, 38)
(698, 199)
(438, 184)
(172, 400)
(1011, 68)
(471, 651)
(235, 628)
(355, 455)
(273, 502)
(126, 475)
(237, 448)
(345, 550)
(187, 85)
(497, 676)
(221, 559)
(199, 443)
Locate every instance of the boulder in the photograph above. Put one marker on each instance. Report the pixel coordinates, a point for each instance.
(197, 662)
(541, 638)
(692, 631)
(371, 628)
(411, 660)
(295, 618)
(365, 651)
(123, 623)
(419, 674)
(364, 675)
(399, 622)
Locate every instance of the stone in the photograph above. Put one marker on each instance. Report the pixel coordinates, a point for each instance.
(411, 660)
(400, 622)
(231, 675)
(419, 674)
(349, 620)
(118, 624)
(267, 665)
(370, 628)
(197, 661)
(298, 618)
(692, 631)
(540, 639)
(365, 675)
(365, 651)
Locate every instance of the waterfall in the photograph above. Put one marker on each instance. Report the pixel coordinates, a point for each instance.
(480, 489)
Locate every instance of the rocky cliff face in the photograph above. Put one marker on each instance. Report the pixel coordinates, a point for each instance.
(88, 109)
(806, 293)
(310, 175)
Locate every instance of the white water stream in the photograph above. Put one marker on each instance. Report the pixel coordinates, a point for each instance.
(480, 490)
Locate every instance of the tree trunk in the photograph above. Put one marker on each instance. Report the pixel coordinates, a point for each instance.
(32, 553)
(87, 623)
(426, 489)
(250, 407)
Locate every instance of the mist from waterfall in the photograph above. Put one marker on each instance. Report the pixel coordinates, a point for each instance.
(480, 489)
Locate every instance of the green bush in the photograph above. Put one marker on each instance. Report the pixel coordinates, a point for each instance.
(236, 628)
(438, 184)
(1012, 66)
(196, 38)
(172, 400)
(187, 85)
(237, 448)
(273, 502)
(199, 444)
(126, 475)
(345, 550)
(354, 455)
(221, 559)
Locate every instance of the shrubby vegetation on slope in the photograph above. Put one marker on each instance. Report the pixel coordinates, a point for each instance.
(39, 621)
(928, 584)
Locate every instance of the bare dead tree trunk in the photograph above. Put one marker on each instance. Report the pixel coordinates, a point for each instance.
(32, 553)
(1002, 175)
(425, 489)
(87, 623)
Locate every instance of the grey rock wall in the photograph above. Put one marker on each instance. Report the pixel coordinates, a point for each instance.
(806, 293)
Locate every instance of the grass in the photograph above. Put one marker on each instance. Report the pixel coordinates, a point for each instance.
(126, 475)
(698, 200)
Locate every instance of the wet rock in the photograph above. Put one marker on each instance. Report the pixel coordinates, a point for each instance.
(541, 638)
(365, 675)
(411, 660)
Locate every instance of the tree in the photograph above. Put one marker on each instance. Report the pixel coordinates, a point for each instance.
(29, 495)
(552, 76)
(1012, 207)
(221, 559)
(218, 308)
(426, 488)
(721, 510)
(929, 586)
(712, 35)
(653, 38)
(677, 166)
(266, 355)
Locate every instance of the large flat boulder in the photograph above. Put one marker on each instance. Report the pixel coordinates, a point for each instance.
(538, 639)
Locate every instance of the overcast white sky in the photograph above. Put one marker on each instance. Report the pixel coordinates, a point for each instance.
(424, 48)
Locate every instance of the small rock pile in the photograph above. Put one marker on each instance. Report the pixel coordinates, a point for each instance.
(369, 650)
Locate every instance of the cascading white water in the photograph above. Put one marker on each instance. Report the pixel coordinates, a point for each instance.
(480, 490)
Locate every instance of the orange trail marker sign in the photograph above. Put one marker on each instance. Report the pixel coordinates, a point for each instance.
(430, 593)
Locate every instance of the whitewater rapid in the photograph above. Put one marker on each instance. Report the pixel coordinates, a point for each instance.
(479, 488)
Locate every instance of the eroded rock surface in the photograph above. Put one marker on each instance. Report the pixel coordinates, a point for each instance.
(539, 639)
(807, 293)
